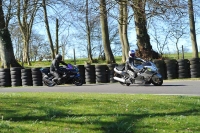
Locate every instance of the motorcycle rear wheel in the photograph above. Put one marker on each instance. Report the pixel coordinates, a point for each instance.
(48, 82)
(124, 84)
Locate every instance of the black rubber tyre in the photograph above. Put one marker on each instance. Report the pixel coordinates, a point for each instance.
(4, 70)
(119, 76)
(156, 81)
(49, 85)
(78, 81)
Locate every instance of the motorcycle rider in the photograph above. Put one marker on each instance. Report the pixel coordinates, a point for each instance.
(55, 69)
(130, 63)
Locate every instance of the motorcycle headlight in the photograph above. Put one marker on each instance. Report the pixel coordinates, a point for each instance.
(76, 69)
(152, 69)
(149, 69)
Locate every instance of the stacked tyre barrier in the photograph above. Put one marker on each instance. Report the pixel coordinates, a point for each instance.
(160, 64)
(101, 73)
(36, 77)
(90, 74)
(81, 69)
(110, 73)
(172, 68)
(5, 80)
(26, 77)
(183, 68)
(15, 74)
(195, 67)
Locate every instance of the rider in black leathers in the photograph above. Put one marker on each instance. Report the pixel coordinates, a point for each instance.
(55, 69)
(130, 63)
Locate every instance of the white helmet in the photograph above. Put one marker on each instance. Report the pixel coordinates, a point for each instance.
(131, 53)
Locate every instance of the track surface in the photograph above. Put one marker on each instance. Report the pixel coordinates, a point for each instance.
(177, 87)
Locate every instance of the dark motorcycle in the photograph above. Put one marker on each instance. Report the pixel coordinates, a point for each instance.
(70, 76)
(148, 74)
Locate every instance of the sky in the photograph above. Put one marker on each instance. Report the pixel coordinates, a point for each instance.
(132, 40)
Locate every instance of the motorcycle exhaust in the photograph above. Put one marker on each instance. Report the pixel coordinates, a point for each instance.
(119, 79)
(45, 78)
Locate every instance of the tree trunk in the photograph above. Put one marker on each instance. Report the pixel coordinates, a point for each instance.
(125, 26)
(143, 39)
(105, 35)
(192, 30)
(89, 50)
(121, 30)
(48, 29)
(57, 45)
(6, 48)
(26, 57)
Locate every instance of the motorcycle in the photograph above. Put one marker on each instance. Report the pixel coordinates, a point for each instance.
(70, 76)
(148, 74)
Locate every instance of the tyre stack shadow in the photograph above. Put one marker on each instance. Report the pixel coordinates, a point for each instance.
(110, 73)
(15, 74)
(5, 79)
(36, 77)
(81, 69)
(160, 64)
(26, 77)
(90, 77)
(171, 68)
(194, 67)
(101, 75)
(183, 68)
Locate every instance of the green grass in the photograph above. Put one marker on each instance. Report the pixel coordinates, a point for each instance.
(175, 56)
(98, 113)
(81, 61)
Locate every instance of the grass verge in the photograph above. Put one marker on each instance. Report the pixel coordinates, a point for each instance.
(98, 113)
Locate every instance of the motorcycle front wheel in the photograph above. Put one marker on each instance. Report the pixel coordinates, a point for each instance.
(78, 81)
(157, 81)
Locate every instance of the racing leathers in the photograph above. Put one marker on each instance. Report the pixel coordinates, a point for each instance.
(130, 65)
(55, 69)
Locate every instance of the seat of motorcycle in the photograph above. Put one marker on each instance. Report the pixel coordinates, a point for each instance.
(120, 67)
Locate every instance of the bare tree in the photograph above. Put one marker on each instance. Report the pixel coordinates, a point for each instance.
(177, 31)
(26, 11)
(88, 30)
(46, 21)
(86, 22)
(161, 42)
(17, 41)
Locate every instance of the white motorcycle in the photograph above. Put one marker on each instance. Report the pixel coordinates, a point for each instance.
(148, 74)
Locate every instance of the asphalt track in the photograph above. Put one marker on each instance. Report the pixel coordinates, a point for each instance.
(169, 87)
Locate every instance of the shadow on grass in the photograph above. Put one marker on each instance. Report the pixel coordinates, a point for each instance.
(124, 123)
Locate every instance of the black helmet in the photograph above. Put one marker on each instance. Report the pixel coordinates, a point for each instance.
(58, 57)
